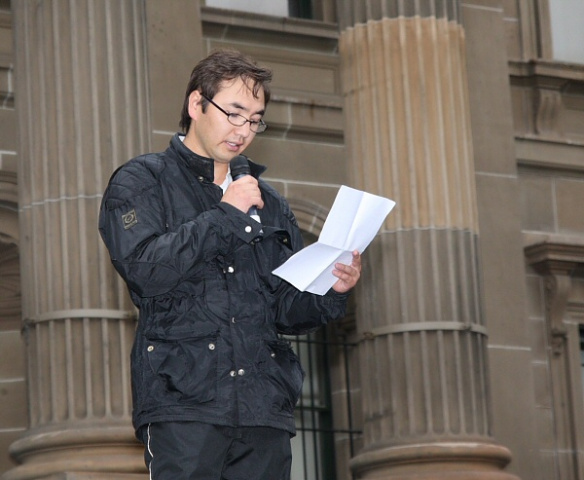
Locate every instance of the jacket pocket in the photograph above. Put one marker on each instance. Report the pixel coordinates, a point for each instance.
(187, 366)
(284, 376)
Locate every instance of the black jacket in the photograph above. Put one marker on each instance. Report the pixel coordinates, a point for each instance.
(207, 346)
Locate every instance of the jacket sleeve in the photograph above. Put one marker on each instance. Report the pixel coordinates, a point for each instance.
(303, 312)
(151, 259)
(307, 312)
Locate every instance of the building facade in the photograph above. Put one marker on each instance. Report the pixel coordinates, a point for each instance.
(463, 352)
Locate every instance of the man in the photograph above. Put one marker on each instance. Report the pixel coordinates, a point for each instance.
(214, 386)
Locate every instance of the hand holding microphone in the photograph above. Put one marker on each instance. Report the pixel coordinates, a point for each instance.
(244, 193)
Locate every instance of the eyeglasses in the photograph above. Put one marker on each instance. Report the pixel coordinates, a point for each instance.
(237, 120)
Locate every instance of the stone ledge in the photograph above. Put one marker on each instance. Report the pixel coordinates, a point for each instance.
(549, 153)
(256, 21)
(547, 68)
(554, 252)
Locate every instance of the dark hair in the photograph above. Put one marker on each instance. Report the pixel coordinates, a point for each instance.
(220, 66)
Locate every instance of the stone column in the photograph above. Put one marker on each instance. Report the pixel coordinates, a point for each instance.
(424, 373)
(82, 101)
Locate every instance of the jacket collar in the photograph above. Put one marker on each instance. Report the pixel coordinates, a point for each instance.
(203, 166)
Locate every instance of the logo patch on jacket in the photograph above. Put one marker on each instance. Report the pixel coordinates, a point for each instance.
(129, 219)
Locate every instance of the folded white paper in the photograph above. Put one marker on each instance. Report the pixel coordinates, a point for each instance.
(352, 223)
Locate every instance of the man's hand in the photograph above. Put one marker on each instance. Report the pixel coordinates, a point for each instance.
(347, 275)
(244, 193)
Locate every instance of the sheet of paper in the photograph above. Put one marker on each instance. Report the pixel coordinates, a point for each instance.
(354, 220)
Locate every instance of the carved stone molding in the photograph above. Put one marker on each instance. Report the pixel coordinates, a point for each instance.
(549, 82)
(547, 112)
(435, 461)
(558, 261)
(556, 255)
(558, 288)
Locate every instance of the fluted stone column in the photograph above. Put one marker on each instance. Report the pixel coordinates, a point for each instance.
(424, 374)
(82, 100)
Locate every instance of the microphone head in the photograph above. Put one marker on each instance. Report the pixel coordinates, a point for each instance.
(239, 167)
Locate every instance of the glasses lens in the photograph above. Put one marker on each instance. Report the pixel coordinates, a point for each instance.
(239, 121)
(236, 119)
(259, 127)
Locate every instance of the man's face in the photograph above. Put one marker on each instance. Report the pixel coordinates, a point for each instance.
(210, 134)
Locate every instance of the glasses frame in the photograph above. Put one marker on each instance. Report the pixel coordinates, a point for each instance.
(255, 126)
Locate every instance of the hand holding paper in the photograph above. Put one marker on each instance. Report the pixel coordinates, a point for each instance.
(353, 222)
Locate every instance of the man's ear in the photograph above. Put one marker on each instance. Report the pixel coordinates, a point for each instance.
(195, 104)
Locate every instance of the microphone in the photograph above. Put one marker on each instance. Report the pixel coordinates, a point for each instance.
(240, 168)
